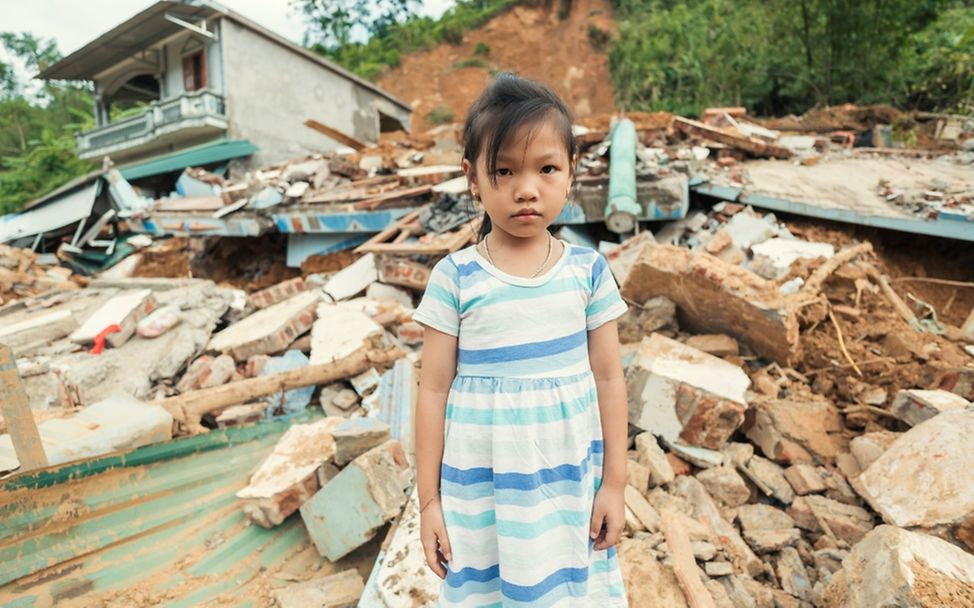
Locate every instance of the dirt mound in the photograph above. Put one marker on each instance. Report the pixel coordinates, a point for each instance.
(531, 41)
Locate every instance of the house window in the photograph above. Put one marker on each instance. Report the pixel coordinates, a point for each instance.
(194, 71)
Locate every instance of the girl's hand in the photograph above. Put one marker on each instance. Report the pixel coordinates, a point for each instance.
(608, 517)
(436, 545)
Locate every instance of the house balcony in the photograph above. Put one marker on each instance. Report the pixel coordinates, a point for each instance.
(164, 126)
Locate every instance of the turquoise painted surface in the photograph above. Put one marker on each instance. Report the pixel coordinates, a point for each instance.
(341, 516)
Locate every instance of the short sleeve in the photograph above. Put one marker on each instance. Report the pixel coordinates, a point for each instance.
(604, 303)
(440, 306)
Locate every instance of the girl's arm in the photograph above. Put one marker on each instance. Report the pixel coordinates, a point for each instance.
(439, 366)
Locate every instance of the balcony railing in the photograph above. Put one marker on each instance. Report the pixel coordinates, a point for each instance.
(199, 109)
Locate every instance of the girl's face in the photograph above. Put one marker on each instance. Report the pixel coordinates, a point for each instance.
(533, 178)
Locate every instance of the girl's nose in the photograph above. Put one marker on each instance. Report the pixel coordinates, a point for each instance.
(526, 191)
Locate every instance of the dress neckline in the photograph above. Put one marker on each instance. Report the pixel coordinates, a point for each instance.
(522, 281)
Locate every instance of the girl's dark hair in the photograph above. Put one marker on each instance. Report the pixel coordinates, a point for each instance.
(505, 105)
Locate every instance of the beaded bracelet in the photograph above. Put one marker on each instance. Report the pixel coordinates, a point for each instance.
(428, 502)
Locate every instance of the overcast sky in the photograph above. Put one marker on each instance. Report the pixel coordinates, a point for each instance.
(73, 23)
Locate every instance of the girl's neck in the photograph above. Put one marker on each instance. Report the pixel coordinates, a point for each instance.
(525, 257)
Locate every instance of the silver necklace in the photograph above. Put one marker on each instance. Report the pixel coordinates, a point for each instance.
(536, 272)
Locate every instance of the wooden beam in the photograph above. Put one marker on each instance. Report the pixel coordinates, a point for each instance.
(337, 135)
(748, 144)
(17, 415)
(684, 565)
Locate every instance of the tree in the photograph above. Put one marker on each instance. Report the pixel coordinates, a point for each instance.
(332, 23)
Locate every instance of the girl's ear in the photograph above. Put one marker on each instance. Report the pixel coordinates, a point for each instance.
(471, 177)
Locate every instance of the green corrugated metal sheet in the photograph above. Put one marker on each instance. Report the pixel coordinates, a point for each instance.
(213, 152)
(154, 526)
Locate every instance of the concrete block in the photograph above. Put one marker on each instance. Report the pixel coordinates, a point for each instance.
(117, 423)
(277, 293)
(678, 392)
(914, 406)
(637, 475)
(366, 382)
(805, 479)
(718, 345)
(868, 447)
(268, 331)
(771, 541)
(405, 273)
(894, 567)
(125, 310)
(339, 332)
(792, 575)
(715, 297)
(653, 458)
(383, 293)
(726, 485)
(353, 279)
(796, 431)
(356, 436)
(716, 569)
(348, 511)
(346, 399)
(698, 457)
(341, 590)
(849, 523)
(924, 479)
(769, 478)
(643, 511)
(411, 333)
(291, 473)
(763, 517)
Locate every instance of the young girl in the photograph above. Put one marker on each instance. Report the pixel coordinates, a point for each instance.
(521, 420)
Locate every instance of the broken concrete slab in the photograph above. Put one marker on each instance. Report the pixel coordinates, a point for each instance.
(678, 392)
(340, 331)
(726, 485)
(792, 575)
(895, 567)
(698, 457)
(381, 292)
(769, 478)
(269, 330)
(348, 511)
(715, 297)
(117, 423)
(621, 257)
(292, 473)
(357, 436)
(353, 279)
(277, 293)
(341, 590)
(771, 541)
(870, 446)
(653, 458)
(848, 523)
(805, 479)
(913, 406)
(778, 254)
(924, 479)
(789, 431)
(125, 310)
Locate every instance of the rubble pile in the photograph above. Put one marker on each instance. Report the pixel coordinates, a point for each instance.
(24, 273)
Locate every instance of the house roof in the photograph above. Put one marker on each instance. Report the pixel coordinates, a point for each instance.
(203, 154)
(150, 26)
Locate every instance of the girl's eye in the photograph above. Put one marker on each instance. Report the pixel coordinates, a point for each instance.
(548, 169)
(503, 172)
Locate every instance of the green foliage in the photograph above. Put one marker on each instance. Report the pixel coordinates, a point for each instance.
(474, 62)
(440, 115)
(37, 145)
(384, 49)
(598, 37)
(777, 57)
(481, 50)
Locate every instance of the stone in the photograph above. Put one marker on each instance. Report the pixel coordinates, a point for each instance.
(726, 485)
(698, 457)
(737, 454)
(703, 551)
(924, 479)
(795, 431)
(763, 517)
(914, 406)
(277, 293)
(653, 458)
(895, 567)
(648, 582)
(356, 436)
(741, 596)
(869, 446)
(340, 331)
(269, 330)
(678, 392)
(717, 593)
(657, 313)
(411, 333)
(805, 479)
(704, 509)
(341, 590)
(791, 574)
(353, 279)
(637, 476)
(346, 399)
(125, 310)
(349, 510)
(769, 478)
(117, 423)
(291, 474)
(366, 382)
(641, 508)
(382, 293)
(770, 541)
(718, 345)
(848, 523)
(716, 297)
(716, 569)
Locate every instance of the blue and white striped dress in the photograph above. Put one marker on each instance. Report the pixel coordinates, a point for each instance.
(522, 455)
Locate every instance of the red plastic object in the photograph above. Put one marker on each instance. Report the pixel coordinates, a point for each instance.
(99, 344)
